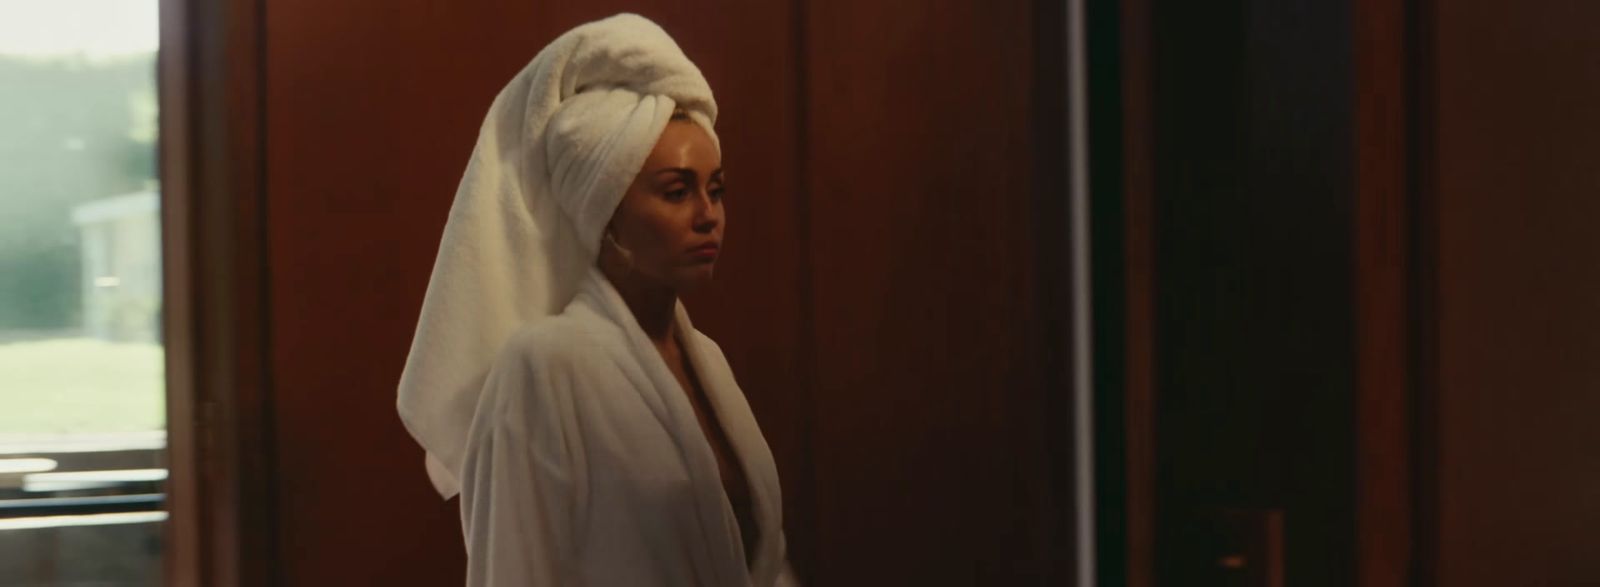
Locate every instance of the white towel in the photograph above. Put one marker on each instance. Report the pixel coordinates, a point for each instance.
(559, 148)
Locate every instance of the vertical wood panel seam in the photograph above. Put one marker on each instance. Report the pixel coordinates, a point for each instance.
(806, 363)
(1423, 353)
(1383, 465)
(269, 506)
(1139, 279)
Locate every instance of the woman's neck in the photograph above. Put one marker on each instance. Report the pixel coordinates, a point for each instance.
(654, 305)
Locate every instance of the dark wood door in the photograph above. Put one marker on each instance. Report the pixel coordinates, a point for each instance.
(1359, 284)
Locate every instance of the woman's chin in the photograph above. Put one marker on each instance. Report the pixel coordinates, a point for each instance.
(693, 278)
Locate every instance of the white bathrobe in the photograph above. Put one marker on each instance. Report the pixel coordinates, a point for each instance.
(586, 466)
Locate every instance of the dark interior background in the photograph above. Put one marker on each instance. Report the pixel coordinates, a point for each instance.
(1350, 275)
(1252, 241)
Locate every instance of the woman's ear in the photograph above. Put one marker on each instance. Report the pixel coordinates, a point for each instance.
(610, 238)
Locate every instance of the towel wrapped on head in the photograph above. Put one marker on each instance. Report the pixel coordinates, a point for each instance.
(555, 155)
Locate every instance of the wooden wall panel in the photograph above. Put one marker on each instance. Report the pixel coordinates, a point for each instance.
(372, 110)
(930, 391)
(1514, 133)
(218, 402)
(1383, 294)
(371, 113)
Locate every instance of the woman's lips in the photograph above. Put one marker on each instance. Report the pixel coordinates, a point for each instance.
(704, 252)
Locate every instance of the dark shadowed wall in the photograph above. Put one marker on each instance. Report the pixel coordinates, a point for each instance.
(1515, 191)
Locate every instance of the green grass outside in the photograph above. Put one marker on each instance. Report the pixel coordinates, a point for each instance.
(77, 385)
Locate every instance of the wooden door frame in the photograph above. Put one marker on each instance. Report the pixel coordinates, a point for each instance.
(215, 328)
(1393, 292)
(1389, 275)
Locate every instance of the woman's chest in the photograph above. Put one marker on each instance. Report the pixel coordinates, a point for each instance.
(637, 449)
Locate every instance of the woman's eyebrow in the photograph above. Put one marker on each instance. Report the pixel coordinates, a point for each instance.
(684, 171)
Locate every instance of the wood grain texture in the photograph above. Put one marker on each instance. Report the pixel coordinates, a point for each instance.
(930, 385)
(372, 112)
(1139, 283)
(1383, 294)
(1514, 132)
(216, 323)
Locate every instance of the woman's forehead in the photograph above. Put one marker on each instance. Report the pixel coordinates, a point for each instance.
(686, 145)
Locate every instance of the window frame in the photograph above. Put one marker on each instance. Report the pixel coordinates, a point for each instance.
(215, 319)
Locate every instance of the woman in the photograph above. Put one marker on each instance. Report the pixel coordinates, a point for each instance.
(595, 437)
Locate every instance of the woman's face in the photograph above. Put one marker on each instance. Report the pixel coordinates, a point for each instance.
(671, 218)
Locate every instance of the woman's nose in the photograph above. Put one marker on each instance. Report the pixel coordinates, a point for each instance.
(707, 212)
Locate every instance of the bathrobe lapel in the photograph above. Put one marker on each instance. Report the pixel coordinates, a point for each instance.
(721, 551)
(749, 447)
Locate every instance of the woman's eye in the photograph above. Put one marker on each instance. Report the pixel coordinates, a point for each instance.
(677, 194)
(716, 194)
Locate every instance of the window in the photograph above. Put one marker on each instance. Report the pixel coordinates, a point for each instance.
(82, 392)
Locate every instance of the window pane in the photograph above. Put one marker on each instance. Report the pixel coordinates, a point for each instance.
(82, 392)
